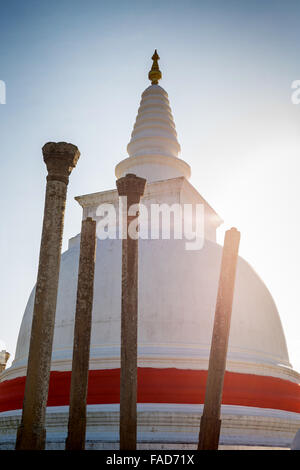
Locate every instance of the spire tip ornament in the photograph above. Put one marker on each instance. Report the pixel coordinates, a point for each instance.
(155, 74)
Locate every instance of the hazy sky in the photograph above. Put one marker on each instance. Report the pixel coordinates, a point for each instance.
(75, 70)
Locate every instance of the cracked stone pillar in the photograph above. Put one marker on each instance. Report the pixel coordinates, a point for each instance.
(82, 337)
(210, 425)
(133, 188)
(60, 159)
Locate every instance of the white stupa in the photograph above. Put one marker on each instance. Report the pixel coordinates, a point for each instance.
(177, 296)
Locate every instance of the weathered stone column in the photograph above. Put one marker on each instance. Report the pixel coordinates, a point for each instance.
(82, 337)
(210, 422)
(133, 187)
(4, 356)
(60, 159)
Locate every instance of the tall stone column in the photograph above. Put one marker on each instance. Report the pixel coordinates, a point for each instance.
(133, 187)
(60, 159)
(82, 337)
(210, 422)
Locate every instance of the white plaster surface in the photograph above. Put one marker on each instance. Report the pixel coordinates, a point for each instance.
(153, 148)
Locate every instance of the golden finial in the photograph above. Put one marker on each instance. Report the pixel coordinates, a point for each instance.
(155, 74)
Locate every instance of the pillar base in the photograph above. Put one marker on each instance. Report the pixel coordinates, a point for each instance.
(27, 439)
(75, 444)
(209, 434)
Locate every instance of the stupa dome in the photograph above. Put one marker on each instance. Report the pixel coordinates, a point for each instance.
(177, 296)
(175, 324)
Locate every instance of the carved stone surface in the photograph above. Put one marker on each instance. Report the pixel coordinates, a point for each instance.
(133, 187)
(4, 356)
(82, 337)
(210, 422)
(60, 159)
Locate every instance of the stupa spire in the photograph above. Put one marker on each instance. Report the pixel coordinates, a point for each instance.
(155, 74)
(153, 148)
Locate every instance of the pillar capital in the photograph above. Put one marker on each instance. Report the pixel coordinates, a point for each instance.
(4, 356)
(131, 186)
(60, 159)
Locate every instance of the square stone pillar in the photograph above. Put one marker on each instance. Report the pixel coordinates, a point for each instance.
(210, 422)
(82, 337)
(133, 188)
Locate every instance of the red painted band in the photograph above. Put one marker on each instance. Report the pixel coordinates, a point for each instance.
(164, 386)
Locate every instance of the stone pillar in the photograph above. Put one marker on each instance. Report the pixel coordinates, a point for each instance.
(82, 337)
(133, 187)
(60, 159)
(210, 422)
(4, 356)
